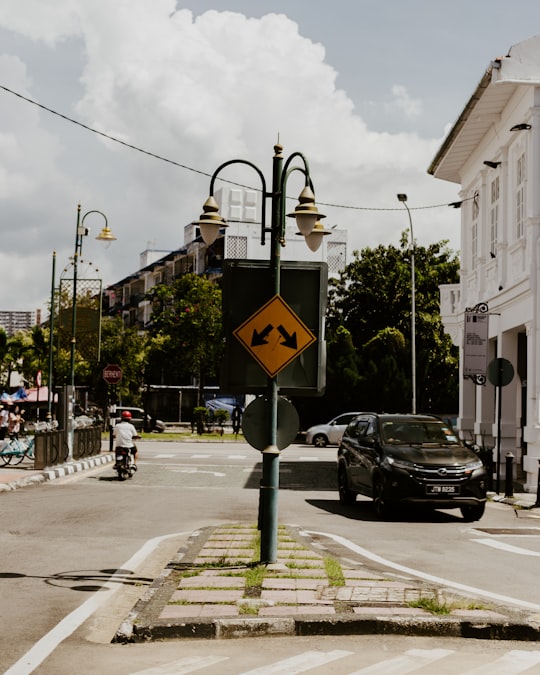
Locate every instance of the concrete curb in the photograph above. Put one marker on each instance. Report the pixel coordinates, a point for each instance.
(337, 625)
(75, 467)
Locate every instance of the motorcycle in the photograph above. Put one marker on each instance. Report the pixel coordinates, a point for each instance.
(124, 465)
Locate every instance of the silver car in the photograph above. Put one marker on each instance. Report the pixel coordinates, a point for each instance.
(330, 433)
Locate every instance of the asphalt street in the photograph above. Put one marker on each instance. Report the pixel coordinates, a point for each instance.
(86, 524)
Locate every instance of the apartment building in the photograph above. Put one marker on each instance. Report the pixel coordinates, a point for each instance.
(13, 321)
(241, 239)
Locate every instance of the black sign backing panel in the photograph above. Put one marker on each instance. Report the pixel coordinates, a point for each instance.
(247, 286)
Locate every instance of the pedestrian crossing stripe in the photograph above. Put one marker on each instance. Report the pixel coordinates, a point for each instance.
(183, 666)
(513, 662)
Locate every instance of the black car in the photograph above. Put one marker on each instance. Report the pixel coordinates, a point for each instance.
(409, 459)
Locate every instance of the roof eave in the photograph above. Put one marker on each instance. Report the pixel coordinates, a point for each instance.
(461, 121)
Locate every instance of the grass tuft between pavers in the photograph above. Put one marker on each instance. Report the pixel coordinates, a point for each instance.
(297, 560)
(442, 607)
(334, 571)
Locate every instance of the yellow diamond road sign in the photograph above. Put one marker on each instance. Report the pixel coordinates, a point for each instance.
(274, 335)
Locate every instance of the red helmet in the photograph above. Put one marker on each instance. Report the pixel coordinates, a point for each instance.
(126, 415)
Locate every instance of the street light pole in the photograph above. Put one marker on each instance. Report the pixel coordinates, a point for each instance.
(307, 216)
(403, 199)
(106, 236)
(51, 334)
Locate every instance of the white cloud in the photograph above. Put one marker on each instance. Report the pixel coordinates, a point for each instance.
(199, 91)
(412, 108)
(42, 21)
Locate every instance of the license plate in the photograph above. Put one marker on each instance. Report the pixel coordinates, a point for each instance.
(442, 489)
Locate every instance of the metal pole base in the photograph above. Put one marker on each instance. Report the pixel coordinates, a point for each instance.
(269, 505)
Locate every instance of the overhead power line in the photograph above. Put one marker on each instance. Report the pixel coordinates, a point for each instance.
(190, 168)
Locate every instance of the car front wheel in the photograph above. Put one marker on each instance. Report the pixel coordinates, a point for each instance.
(346, 496)
(474, 512)
(380, 501)
(320, 441)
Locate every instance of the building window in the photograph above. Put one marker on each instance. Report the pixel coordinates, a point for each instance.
(236, 247)
(520, 195)
(336, 254)
(474, 229)
(494, 221)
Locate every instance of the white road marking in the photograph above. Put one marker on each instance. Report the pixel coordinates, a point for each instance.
(300, 663)
(512, 663)
(165, 456)
(200, 456)
(183, 666)
(504, 599)
(309, 459)
(236, 456)
(509, 548)
(212, 473)
(69, 624)
(406, 663)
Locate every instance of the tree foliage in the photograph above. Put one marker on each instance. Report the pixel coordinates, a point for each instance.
(25, 353)
(186, 331)
(127, 348)
(372, 302)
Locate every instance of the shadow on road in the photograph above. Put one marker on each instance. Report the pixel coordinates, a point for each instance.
(363, 510)
(78, 580)
(299, 476)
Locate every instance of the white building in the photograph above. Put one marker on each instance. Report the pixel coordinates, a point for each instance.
(493, 152)
(13, 321)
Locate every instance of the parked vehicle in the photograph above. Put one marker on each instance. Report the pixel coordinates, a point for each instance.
(322, 435)
(124, 464)
(409, 459)
(137, 419)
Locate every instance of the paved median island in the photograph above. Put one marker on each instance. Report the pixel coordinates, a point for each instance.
(216, 588)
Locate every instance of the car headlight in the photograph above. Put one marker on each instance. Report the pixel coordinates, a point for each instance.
(473, 466)
(399, 463)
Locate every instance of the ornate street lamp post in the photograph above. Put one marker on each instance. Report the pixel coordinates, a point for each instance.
(80, 232)
(307, 217)
(403, 199)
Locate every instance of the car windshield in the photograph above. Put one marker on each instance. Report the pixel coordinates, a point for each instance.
(411, 432)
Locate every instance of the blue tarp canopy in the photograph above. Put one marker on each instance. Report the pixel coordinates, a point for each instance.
(19, 395)
(32, 395)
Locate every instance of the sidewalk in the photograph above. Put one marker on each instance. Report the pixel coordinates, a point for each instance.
(23, 475)
(215, 587)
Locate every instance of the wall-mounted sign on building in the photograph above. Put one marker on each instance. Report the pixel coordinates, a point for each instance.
(475, 344)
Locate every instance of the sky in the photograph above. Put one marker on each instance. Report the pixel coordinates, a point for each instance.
(365, 89)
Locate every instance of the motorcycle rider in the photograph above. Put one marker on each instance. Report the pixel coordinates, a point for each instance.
(125, 433)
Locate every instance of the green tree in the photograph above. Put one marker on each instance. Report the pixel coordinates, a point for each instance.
(3, 357)
(372, 301)
(26, 352)
(17, 348)
(37, 355)
(186, 331)
(127, 348)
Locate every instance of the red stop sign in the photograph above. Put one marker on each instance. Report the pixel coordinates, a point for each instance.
(112, 374)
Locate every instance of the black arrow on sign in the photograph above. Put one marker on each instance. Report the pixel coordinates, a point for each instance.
(288, 340)
(258, 339)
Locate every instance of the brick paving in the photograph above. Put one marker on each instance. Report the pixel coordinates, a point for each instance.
(215, 584)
